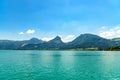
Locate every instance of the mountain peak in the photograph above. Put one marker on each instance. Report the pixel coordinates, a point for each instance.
(87, 34)
(57, 40)
(34, 38)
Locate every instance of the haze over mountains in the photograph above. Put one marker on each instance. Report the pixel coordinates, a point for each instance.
(84, 41)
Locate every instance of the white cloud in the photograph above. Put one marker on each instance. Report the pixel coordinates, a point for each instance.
(68, 38)
(47, 38)
(30, 31)
(21, 33)
(110, 32)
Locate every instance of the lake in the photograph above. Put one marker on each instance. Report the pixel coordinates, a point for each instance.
(59, 65)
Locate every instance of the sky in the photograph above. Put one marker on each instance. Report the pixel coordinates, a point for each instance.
(45, 19)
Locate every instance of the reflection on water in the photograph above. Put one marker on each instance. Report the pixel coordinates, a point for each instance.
(59, 65)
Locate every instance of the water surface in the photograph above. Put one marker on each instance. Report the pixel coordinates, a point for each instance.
(59, 65)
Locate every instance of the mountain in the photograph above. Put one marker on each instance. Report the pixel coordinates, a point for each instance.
(10, 44)
(84, 41)
(55, 43)
(35, 41)
(32, 41)
(91, 41)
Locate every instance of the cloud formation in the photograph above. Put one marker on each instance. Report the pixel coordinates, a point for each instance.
(30, 31)
(47, 38)
(20, 33)
(110, 32)
(68, 38)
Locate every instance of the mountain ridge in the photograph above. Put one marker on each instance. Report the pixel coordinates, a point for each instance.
(83, 41)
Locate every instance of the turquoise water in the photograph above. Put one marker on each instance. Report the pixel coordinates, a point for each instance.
(59, 65)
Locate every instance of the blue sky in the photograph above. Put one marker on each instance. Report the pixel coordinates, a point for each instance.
(45, 19)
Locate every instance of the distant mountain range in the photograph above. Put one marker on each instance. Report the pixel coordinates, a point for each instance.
(82, 42)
